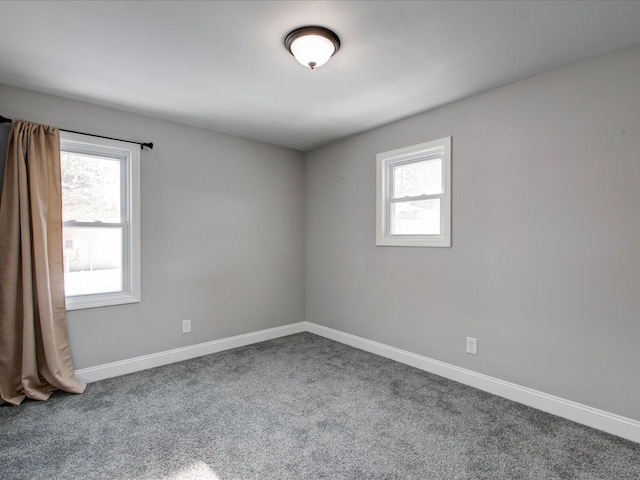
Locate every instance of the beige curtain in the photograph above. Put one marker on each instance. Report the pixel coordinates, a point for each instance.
(34, 348)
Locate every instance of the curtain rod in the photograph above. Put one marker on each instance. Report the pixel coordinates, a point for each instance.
(142, 144)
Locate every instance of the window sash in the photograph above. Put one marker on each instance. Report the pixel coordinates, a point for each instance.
(125, 258)
(388, 225)
(98, 153)
(392, 165)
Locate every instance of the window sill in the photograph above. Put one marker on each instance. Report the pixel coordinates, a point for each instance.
(413, 241)
(103, 300)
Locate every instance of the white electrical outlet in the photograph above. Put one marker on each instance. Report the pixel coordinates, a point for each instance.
(472, 345)
(186, 326)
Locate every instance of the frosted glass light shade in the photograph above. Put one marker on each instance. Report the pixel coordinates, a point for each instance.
(312, 50)
(312, 46)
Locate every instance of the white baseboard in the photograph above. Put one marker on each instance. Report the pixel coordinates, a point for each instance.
(592, 417)
(131, 365)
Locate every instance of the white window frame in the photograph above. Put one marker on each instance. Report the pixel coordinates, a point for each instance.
(440, 148)
(129, 154)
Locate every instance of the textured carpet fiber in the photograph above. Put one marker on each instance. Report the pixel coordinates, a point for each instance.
(299, 407)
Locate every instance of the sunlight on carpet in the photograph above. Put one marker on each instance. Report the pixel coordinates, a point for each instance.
(197, 471)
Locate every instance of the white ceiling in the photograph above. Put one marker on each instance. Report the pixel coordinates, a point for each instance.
(223, 66)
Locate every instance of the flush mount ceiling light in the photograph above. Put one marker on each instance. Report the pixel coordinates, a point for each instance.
(312, 46)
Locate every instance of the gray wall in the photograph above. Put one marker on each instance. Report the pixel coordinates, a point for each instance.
(222, 233)
(545, 265)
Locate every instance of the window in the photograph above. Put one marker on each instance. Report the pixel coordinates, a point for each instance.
(100, 214)
(414, 195)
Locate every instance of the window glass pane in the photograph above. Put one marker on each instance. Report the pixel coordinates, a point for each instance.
(90, 188)
(418, 178)
(416, 218)
(92, 260)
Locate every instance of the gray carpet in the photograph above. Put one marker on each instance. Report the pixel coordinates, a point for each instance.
(299, 407)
